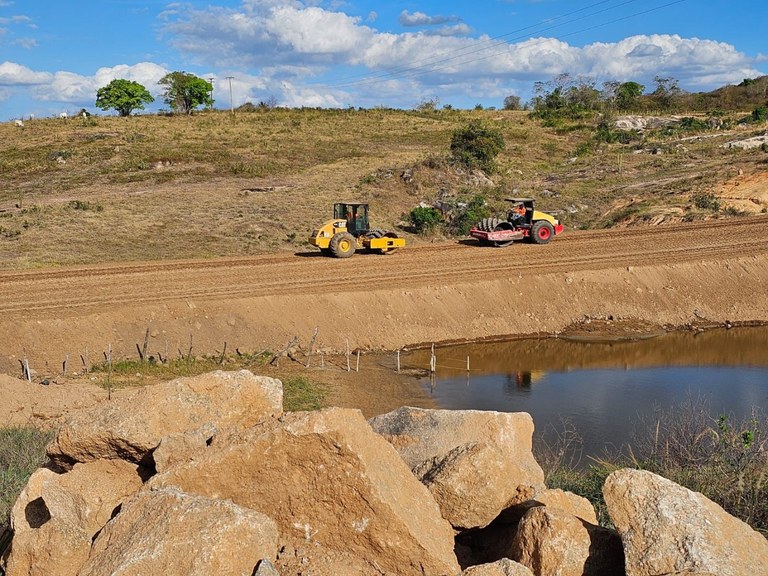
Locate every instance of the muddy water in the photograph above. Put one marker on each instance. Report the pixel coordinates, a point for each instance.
(608, 391)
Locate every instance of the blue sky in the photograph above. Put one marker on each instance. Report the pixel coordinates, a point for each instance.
(54, 55)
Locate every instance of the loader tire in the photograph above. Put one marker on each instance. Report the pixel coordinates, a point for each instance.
(343, 245)
(542, 232)
(488, 224)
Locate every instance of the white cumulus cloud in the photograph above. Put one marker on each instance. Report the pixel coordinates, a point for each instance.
(12, 74)
(421, 19)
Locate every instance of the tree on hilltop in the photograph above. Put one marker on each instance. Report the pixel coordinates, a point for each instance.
(184, 92)
(125, 96)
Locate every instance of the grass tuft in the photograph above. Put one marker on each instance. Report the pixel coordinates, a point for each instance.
(22, 451)
(300, 393)
(724, 459)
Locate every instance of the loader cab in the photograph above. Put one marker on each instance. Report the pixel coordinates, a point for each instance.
(524, 218)
(355, 214)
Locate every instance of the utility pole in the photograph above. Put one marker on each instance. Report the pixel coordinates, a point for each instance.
(231, 104)
(211, 81)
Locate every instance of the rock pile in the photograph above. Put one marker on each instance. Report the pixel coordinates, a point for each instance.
(208, 475)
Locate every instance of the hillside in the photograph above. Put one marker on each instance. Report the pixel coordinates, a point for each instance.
(108, 189)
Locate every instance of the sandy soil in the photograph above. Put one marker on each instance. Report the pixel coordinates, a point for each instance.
(644, 280)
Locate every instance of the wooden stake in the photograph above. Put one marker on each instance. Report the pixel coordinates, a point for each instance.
(109, 373)
(432, 361)
(276, 358)
(311, 345)
(348, 355)
(144, 348)
(398, 361)
(85, 361)
(357, 365)
(64, 365)
(467, 363)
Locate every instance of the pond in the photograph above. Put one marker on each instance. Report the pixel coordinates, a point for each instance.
(607, 392)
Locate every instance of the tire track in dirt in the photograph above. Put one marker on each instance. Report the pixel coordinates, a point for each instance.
(71, 290)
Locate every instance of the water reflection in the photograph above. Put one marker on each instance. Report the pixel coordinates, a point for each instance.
(605, 389)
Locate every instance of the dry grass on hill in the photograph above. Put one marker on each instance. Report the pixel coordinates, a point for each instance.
(167, 187)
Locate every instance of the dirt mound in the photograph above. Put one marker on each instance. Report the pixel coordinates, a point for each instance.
(44, 405)
(610, 328)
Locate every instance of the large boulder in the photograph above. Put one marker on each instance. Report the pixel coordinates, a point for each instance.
(471, 484)
(493, 542)
(668, 529)
(129, 428)
(553, 543)
(475, 463)
(329, 482)
(175, 534)
(503, 567)
(554, 498)
(57, 515)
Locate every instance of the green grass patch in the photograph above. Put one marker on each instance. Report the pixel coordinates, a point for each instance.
(300, 393)
(724, 459)
(22, 451)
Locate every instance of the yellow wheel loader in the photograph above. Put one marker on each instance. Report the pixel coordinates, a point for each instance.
(348, 231)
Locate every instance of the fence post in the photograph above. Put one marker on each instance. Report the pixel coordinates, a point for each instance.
(432, 361)
(348, 368)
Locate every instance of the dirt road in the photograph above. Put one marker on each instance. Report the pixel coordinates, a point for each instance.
(715, 270)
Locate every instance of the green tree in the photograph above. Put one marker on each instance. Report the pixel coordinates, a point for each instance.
(628, 95)
(476, 145)
(565, 96)
(667, 92)
(184, 92)
(512, 103)
(125, 96)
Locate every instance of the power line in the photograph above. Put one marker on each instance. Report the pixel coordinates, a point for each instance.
(412, 71)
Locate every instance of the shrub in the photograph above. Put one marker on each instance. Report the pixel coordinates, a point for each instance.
(760, 114)
(425, 218)
(476, 146)
(474, 211)
(706, 201)
(85, 205)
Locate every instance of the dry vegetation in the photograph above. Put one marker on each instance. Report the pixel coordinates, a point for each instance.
(105, 188)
